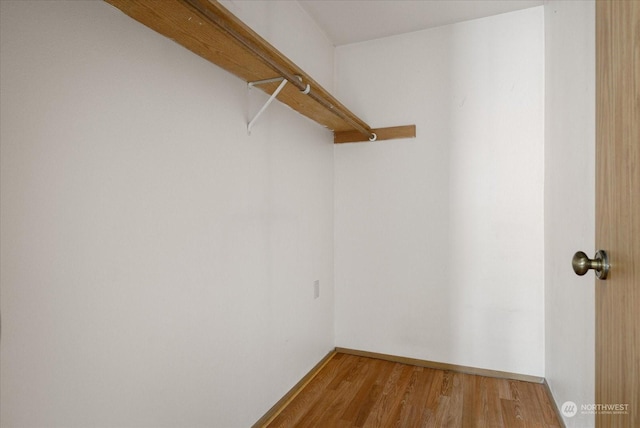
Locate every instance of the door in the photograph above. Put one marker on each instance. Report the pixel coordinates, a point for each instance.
(618, 212)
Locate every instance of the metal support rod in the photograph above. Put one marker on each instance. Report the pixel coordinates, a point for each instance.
(271, 98)
(282, 71)
(265, 81)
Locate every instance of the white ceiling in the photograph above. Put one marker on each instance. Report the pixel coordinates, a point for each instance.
(352, 21)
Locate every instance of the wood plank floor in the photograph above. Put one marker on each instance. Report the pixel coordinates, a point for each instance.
(353, 391)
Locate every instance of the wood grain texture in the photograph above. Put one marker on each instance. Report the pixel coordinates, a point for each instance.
(391, 133)
(187, 26)
(618, 210)
(293, 392)
(355, 391)
(551, 411)
(441, 366)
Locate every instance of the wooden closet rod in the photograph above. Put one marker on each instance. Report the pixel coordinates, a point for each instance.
(208, 29)
(271, 63)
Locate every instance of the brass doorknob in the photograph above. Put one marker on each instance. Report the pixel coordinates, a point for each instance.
(600, 264)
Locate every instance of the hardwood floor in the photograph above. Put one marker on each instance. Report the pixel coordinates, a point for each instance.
(354, 391)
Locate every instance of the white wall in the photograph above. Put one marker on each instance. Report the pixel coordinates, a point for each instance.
(157, 264)
(570, 202)
(439, 239)
(292, 31)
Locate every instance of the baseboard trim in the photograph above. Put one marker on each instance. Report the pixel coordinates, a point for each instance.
(442, 366)
(275, 410)
(553, 403)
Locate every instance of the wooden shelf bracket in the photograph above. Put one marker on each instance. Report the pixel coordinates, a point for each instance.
(209, 30)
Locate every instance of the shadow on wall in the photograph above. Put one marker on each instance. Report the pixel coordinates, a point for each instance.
(438, 239)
